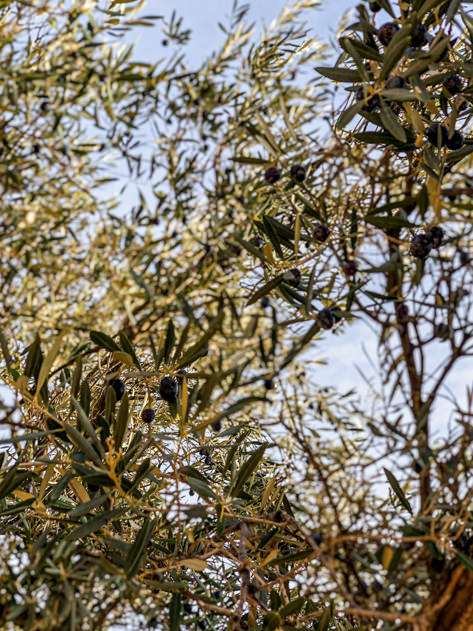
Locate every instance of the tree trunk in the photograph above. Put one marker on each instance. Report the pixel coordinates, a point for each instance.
(451, 606)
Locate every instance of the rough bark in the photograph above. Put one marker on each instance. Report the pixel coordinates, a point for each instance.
(451, 606)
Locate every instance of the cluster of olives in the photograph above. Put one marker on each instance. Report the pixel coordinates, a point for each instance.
(388, 30)
(437, 134)
(320, 232)
(168, 390)
(326, 317)
(297, 172)
(420, 247)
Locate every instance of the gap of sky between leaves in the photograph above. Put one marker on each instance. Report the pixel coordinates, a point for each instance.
(203, 18)
(348, 353)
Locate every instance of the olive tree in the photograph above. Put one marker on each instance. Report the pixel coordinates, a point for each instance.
(177, 240)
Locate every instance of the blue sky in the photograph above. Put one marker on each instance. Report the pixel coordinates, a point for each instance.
(203, 17)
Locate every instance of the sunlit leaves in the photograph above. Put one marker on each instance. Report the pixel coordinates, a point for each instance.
(254, 495)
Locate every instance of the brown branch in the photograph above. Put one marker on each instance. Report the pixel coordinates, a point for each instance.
(206, 604)
(244, 572)
(366, 613)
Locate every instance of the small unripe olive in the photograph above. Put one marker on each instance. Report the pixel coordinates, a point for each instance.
(316, 537)
(442, 330)
(370, 102)
(181, 373)
(464, 257)
(395, 83)
(325, 318)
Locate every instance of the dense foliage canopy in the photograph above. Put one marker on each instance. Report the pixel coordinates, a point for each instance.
(176, 241)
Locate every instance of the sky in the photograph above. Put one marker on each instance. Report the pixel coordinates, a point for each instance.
(203, 17)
